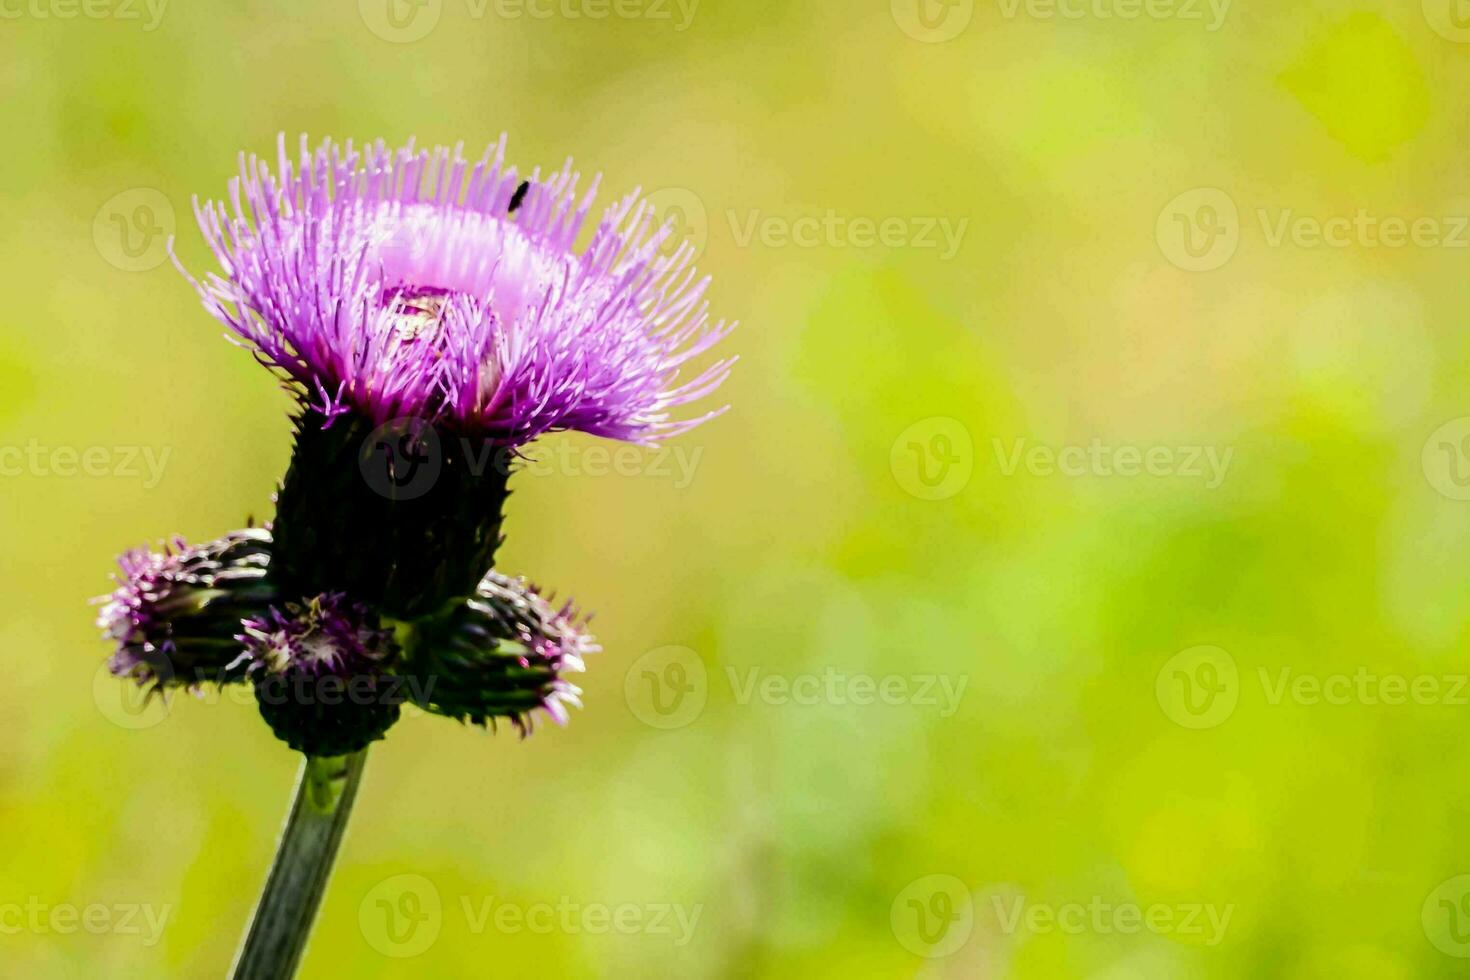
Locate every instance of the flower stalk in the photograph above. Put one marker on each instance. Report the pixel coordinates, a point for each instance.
(278, 930)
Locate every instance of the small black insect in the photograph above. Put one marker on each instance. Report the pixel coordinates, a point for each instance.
(518, 197)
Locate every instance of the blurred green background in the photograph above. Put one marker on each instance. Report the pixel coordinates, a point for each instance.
(1076, 595)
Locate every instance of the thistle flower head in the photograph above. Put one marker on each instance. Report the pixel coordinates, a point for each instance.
(504, 654)
(406, 282)
(175, 612)
(323, 635)
(391, 285)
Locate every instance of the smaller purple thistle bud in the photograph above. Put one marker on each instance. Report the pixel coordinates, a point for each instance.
(502, 654)
(320, 673)
(322, 635)
(175, 613)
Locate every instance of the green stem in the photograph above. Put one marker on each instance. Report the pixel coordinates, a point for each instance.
(293, 892)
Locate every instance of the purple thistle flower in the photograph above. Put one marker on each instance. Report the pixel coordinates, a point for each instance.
(175, 612)
(323, 635)
(408, 282)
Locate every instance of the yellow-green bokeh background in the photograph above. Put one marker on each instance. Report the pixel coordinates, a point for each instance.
(1332, 546)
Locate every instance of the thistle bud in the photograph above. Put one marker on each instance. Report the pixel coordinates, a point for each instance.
(501, 654)
(175, 612)
(320, 672)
